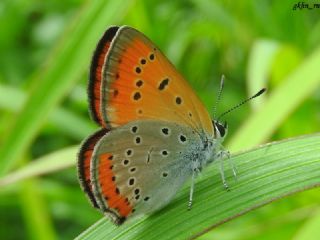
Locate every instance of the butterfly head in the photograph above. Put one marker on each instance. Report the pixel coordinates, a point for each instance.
(221, 129)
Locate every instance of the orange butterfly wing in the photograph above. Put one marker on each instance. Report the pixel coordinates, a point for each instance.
(84, 161)
(136, 81)
(94, 87)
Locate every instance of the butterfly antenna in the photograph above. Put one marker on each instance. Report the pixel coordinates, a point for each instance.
(219, 96)
(243, 102)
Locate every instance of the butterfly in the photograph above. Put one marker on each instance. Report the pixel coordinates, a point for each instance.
(155, 132)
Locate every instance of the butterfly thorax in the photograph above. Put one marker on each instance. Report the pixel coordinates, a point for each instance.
(204, 151)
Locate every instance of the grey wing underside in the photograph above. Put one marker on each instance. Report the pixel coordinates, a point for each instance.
(151, 160)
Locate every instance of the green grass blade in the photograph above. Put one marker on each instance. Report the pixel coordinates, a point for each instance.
(66, 66)
(47, 164)
(74, 125)
(35, 211)
(266, 174)
(296, 88)
(258, 71)
(310, 228)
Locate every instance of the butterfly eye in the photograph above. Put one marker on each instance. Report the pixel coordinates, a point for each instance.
(221, 129)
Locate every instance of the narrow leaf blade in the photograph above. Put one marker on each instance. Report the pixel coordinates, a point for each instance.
(266, 174)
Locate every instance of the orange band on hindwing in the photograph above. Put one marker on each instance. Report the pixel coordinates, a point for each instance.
(109, 188)
(84, 160)
(97, 63)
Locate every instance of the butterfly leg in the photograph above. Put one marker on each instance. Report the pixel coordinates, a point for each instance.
(221, 165)
(232, 165)
(226, 153)
(191, 190)
(195, 171)
(220, 155)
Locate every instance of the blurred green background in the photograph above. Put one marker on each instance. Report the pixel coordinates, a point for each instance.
(45, 51)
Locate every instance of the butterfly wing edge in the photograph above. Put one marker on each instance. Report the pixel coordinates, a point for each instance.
(83, 164)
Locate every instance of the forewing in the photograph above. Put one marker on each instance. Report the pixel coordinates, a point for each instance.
(139, 82)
